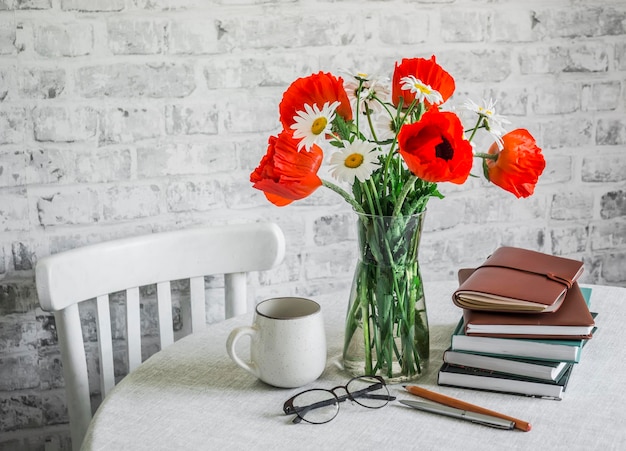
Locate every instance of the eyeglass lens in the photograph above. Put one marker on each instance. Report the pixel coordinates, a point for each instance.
(368, 392)
(316, 406)
(320, 406)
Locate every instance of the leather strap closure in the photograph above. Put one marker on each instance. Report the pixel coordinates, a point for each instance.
(550, 275)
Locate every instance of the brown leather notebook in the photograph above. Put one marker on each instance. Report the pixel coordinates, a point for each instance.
(572, 321)
(518, 280)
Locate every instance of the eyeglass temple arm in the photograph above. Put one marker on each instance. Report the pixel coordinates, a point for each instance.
(376, 396)
(316, 405)
(365, 393)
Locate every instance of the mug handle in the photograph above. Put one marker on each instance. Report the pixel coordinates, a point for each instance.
(233, 338)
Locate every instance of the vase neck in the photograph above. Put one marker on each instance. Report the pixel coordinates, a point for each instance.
(389, 240)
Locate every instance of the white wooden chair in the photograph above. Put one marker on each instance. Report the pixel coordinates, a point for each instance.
(68, 278)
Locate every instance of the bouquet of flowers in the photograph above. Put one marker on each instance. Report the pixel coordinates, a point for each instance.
(389, 145)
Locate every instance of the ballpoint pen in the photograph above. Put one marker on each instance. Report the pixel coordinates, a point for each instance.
(474, 417)
(459, 404)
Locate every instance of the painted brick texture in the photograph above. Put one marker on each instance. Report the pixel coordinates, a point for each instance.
(120, 117)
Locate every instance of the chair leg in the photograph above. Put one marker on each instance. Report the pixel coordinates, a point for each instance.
(74, 372)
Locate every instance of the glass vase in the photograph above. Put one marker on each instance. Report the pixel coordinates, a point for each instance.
(386, 331)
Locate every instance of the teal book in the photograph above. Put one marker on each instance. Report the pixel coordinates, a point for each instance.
(529, 348)
(478, 379)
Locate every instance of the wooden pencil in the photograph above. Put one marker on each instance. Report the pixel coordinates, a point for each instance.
(457, 403)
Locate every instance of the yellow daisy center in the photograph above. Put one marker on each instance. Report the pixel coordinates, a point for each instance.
(318, 125)
(422, 88)
(354, 160)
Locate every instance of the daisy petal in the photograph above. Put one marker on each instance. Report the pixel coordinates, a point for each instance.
(356, 160)
(312, 125)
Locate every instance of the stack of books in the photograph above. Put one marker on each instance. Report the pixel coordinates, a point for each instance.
(524, 325)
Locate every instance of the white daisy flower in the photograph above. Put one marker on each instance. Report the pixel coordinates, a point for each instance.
(358, 159)
(370, 87)
(421, 90)
(313, 124)
(384, 126)
(495, 122)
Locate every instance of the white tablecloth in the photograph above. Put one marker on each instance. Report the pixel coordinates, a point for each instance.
(191, 396)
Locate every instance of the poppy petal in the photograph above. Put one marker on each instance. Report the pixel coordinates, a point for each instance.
(428, 72)
(316, 89)
(435, 149)
(284, 174)
(519, 163)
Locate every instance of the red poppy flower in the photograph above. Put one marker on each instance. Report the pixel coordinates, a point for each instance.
(435, 149)
(284, 174)
(316, 89)
(519, 163)
(428, 72)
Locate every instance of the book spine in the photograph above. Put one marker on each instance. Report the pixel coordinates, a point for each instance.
(553, 398)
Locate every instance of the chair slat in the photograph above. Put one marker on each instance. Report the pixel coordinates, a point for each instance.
(105, 344)
(235, 294)
(185, 317)
(164, 307)
(133, 328)
(197, 303)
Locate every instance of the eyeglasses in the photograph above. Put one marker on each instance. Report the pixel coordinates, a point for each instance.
(319, 406)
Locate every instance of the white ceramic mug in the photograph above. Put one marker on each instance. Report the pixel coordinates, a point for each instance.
(287, 342)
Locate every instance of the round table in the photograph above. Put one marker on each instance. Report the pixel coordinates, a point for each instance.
(191, 396)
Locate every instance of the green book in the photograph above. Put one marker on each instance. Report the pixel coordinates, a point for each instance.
(555, 350)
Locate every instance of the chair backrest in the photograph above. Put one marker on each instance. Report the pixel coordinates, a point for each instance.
(93, 272)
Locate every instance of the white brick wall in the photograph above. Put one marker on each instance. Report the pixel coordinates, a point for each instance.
(120, 117)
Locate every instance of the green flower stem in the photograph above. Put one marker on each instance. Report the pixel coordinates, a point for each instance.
(408, 186)
(366, 329)
(358, 102)
(476, 127)
(343, 193)
(390, 155)
(376, 197)
(385, 105)
(487, 156)
(371, 124)
(383, 303)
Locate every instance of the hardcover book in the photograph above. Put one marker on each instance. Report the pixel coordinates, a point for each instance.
(502, 282)
(537, 369)
(530, 348)
(489, 381)
(571, 321)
